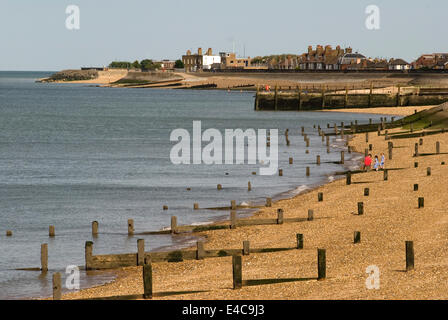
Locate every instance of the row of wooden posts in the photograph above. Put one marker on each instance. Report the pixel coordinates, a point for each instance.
(238, 282)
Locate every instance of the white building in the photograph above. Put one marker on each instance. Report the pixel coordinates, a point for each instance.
(207, 61)
(399, 64)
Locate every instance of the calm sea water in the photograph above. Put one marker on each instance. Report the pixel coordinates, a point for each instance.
(71, 154)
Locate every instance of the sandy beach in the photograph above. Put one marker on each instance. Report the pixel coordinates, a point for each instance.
(391, 217)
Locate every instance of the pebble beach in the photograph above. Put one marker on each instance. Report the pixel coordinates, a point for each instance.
(391, 217)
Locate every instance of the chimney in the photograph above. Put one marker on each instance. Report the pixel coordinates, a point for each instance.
(188, 53)
(310, 49)
(209, 52)
(319, 50)
(200, 51)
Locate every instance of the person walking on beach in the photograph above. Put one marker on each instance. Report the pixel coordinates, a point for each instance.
(376, 164)
(383, 161)
(368, 162)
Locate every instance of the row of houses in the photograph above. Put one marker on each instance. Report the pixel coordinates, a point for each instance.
(315, 59)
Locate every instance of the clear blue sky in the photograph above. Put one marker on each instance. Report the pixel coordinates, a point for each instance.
(33, 34)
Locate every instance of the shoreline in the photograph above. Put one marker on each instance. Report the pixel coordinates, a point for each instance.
(391, 218)
(251, 213)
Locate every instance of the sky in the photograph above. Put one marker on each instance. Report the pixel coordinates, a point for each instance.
(33, 34)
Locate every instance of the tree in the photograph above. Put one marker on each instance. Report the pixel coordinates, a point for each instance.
(148, 64)
(120, 65)
(136, 65)
(179, 64)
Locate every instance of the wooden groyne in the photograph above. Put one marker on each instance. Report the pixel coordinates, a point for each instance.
(322, 97)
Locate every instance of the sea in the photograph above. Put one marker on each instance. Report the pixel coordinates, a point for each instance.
(71, 154)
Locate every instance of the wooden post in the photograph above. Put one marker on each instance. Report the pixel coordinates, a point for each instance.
(280, 172)
(320, 197)
(249, 186)
(299, 241)
(409, 255)
(140, 252)
(437, 147)
(200, 252)
(233, 205)
(95, 228)
(307, 171)
(390, 148)
(237, 272)
(360, 208)
(147, 279)
(328, 141)
(279, 216)
(195, 206)
(276, 98)
(51, 231)
(44, 257)
(385, 175)
(256, 98)
(246, 248)
(88, 254)
(421, 202)
(310, 215)
(367, 137)
(232, 219)
(366, 192)
(219, 187)
(130, 227)
(398, 96)
(300, 98)
(321, 264)
(346, 97)
(268, 202)
(57, 286)
(291, 160)
(8, 233)
(318, 160)
(379, 130)
(323, 98)
(342, 157)
(357, 237)
(173, 224)
(349, 178)
(370, 94)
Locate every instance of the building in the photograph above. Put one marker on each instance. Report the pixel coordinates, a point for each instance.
(200, 61)
(166, 64)
(352, 61)
(431, 61)
(323, 58)
(229, 60)
(398, 64)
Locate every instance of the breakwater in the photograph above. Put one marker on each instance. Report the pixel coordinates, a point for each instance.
(299, 99)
